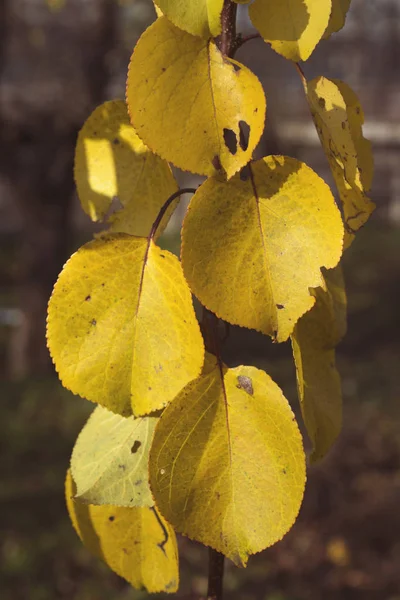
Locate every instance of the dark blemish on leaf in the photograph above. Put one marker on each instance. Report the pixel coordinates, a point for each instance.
(122, 467)
(136, 446)
(165, 532)
(343, 125)
(124, 550)
(163, 69)
(280, 306)
(216, 163)
(93, 322)
(245, 383)
(230, 140)
(162, 255)
(103, 284)
(217, 495)
(116, 141)
(149, 388)
(158, 368)
(256, 110)
(244, 134)
(321, 102)
(274, 335)
(139, 481)
(284, 471)
(111, 519)
(88, 298)
(358, 110)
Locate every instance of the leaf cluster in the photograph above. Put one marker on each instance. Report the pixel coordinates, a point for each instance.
(180, 442)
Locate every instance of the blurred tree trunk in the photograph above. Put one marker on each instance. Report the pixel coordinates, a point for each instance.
(39, 165)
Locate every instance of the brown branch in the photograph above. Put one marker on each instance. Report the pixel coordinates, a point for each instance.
(227, 41)
(215, 575)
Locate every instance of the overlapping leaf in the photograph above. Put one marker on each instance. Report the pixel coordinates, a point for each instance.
(294, 27)
(115, 170)
(121, 325)
(190, 104)
(338, 118)
(314, 340)
(109, 462)
(252, 249)
(136, 543)
(227, 465)
(202, 17)
(338, 16)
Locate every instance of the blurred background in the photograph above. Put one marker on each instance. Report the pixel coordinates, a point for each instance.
(58, 60)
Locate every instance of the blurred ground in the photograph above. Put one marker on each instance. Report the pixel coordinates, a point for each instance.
(346, 542)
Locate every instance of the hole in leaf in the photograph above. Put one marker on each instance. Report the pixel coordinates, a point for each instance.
(136, 446)
(111, 518)
(280, 306)
(244, 134)
(230, 140)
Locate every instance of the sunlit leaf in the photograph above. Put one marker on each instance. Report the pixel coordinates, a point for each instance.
(338, 118)
(227, 465)
(202, 17)
(252, 249)
(338, 16)
(109, 462)
(292, 27)
(314, 340)
(190, 104)
(121, 325)
(115, 171)
(136, 543)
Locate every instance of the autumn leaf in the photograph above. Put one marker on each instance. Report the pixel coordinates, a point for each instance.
(110, 459)
(136, 543)
(115, 170)
(227, 465)
(318, 382)
(294, 27)
(193, 106)
(338, 16)
(202, 17)
(121, 325)
(252, 249)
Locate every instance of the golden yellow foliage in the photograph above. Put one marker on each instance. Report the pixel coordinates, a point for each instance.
(113, 166)
(193, 106)
(109, 460)
(227, 466)
(318, 382)
(252, 249)
(121, 325)
(136, 543)
(294, 27)
(338, 16)
(202, 17)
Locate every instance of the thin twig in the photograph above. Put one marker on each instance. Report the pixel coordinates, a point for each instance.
(215, 575)
(165, 207)
(243, 39)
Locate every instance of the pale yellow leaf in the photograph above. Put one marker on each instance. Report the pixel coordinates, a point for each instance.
(191, 105)
(115, 171)
(292, 27)
(252, 249)
(338, 119)
(136, 543)
(109, 462)
(227, 466)
(338, 16)
(199, 17)
(121, 325)
(318, 382)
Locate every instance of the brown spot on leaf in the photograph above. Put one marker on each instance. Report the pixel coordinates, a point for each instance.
(216, 163)
(244, 135)
(88, 298)
(136, 446)
(321, 102)
(280, 306)
(111, 518)
(93, 322)
(246, 384)
(230, 140)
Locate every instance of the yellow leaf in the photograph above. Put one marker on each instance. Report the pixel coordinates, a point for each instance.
(338, 118)
(113, 166)
(136, 543)
(292, 27)
(338, 16)
(252, 249)
(121, 325)
(227, 466)
(158, 10)
(109, 462)
(202, 17)
(318, 382)
(191, 105)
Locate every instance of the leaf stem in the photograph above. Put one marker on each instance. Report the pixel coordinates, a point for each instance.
(227, 41)
(215, 575)
(243, 39)
(165, 207)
